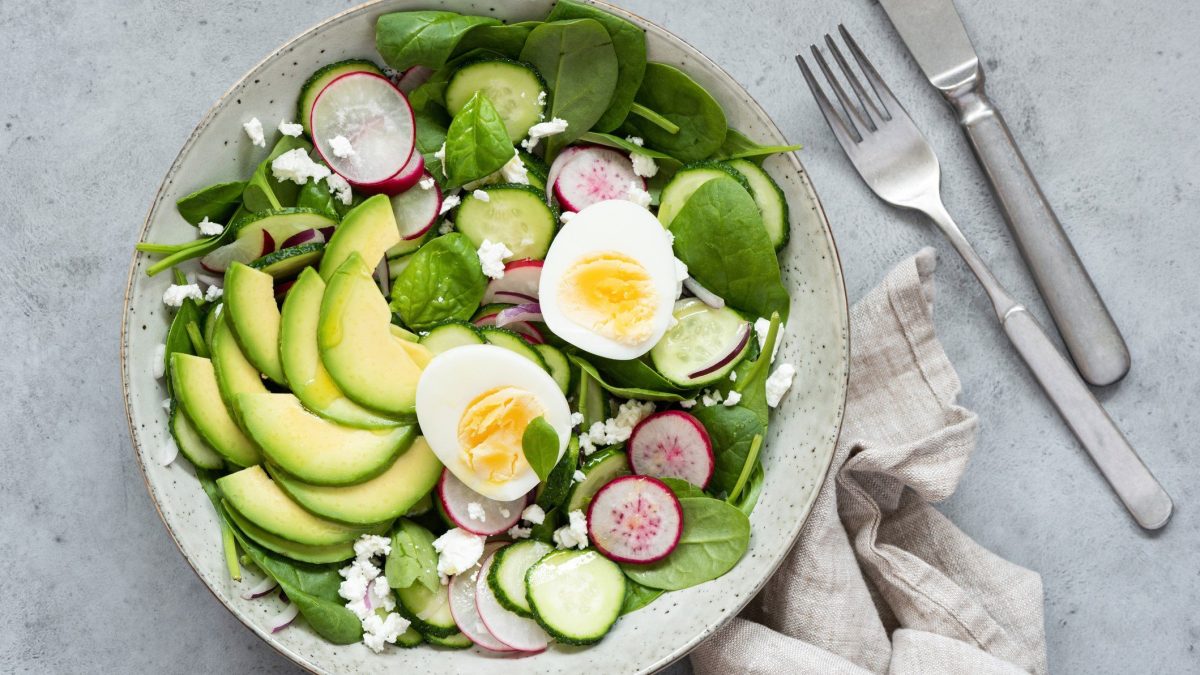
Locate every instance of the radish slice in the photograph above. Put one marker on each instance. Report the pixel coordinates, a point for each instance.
(413, 78)
(526, 329)
(462, 605)
(703, 294)
(404, 179)
(260, 589)
(530, 311)
(672, 444)
(416, 209)
(557, 166)
(372, 114)
(491, 517)
(242, 250)
(304, 237)
(739, 343)
(635, 519)
(594, 175)
(518, 285)
(516, 632)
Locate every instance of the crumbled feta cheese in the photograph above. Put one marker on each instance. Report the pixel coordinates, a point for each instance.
(687, 403)
(446, 227)
(341, 147)
(213, 293)
(491, 258)
(504, 513)
(732, 399)
(368, 546)
(636, 140)
(541, 130)
(542, 98)
(533, 514)
(761, 328)
(617, 429)
(576, 419)
(514, 170)
(379, 593)
(710, 397)
(379, 631)
(176, 294)
(254, 129)
(482, 195)
(573, 535)
(637, 195)
(518, 532)
(566, 216)
(160, 362)
(681, 275)
(733, 376)
(298, 167)
(340, 188)
(644, 165)
(440, 156)
(475, 512)
(585, 444)
(779, 382)
(670, 237)
(208, 228)
(449, 203)
(357, 578)
(457, 551)
(427, 183)
(578, 476)
(290, 128)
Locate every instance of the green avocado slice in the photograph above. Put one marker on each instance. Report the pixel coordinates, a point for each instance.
(195, 384)
(251, 311)
(302, 552)
(368, 230)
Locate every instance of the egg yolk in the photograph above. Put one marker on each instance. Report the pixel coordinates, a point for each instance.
(490, 432)
(610, 294)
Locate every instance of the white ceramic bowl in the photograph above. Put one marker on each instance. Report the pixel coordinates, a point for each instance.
(803, 430)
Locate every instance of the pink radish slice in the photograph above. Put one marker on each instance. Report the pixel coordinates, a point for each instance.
(526, 329)
(739, 343)
(304, 237)
(530, 311)
(242, 250)
(516, 632)
(413, 78)
(594, 175)
(635, 519)
(404, 179)
(557, 166)
(416, 209)
(456, 499)
(518, 285)
(462, 605)
(374, 116)
(703, 294)
(672, 444)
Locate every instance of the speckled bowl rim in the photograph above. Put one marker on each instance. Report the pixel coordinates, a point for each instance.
(794, 534)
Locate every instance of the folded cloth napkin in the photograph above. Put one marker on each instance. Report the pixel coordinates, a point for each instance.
(879, 581)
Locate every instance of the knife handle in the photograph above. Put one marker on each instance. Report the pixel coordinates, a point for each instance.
(1087, 329)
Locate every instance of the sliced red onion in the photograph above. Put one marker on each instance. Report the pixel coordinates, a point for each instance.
(284, 618)
(532, 335)
(703, 294)
(305, 237)
(268, 243)
(327, 232)
(738, 345)
(530, 311)
(513, 297)
(260, 589)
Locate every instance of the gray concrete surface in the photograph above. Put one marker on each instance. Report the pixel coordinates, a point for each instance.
(1102, 95)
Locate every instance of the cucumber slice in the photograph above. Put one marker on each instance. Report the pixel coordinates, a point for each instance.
(287, 263)
(411, 637)
(454, 641)
(398, 265)
(281, 224)
(598, 470)
(428, 610)
(191, 443)
(506, 577)
(210, 323)
(771, 203)
(330, 553)
(450, 335)
(513, 87)
(576, 595)
(514, 215)
(513, 342)
(689, 179)
(557, 364)
(558, 484)
(536, 169)
(702, 338)
(323, 76)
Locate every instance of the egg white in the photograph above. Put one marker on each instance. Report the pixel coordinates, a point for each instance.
(626, 228)
(455, 378)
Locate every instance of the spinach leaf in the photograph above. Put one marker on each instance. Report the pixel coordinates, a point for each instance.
(540, 445)
(719, 235)
(715, 536)
(667, 165)
(412, 559)
(630, 45)
(178, 339)
(738, 146)
(638, 596)
(672, 94)
(633, 374)
(579, 64)
(444, 281)
(505, 40)
(315, 194)
(215, 202)
(432, 125)
(545, 531)
(477, 143)
(262, 191)
(682, 488)
(625, 392)
(425, 38)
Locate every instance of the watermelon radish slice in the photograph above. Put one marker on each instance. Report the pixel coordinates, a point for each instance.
(462, 605)
(519, 284)
(635, 519)
(516, 632)
(242, 250)
(672, 444)
(369, 112)
(594, 175)
(416, 209)
(490, 515)
(564, 158)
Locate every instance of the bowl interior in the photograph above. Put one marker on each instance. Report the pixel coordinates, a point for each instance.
(796, 456)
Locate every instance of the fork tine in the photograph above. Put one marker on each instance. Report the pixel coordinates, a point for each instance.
(846, 137)
(867, 102)
(852, 111)
(891, 105)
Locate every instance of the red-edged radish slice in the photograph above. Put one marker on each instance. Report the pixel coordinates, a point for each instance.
(594, 175)
(490, 516)
(672, 444)
(416, 209)
(516, 632)
(530, 311)
(463, 609)
(557, 166)
(739, 343)
(303, 237)
(405, 179)
(518, 285)
(526, 329)
(635, 519)
(373, 116)
(242, 250)
(413, 78)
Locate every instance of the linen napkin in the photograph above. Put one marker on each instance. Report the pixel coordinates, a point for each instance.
(879, 581)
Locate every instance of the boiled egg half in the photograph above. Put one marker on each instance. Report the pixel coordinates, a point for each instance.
(473, 404)
(609, 281)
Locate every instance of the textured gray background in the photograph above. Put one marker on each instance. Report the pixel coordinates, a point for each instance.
(1102, 95)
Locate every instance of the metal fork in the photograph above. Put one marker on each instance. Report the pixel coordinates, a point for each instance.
(898, 164)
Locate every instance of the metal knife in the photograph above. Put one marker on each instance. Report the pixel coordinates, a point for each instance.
(934, 34)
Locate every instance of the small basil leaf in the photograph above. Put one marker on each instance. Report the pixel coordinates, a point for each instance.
(540, 443)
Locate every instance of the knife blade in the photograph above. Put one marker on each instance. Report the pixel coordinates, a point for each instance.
(935, 36)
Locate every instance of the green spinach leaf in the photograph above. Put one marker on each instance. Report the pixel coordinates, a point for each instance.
(477, 142)
(178, 339)
(738, 146)
(412, 559)
(633, 374)
(579, 64)
(715, 536)
(505, 40)
(625, 392)
(262, 191)
(444, 281)
(215, 202)
(540, 445)
(672, 94)
(630, 45)
(638, 596)
(682, 488)
(624, 144)
(424, 38)
(315, 194)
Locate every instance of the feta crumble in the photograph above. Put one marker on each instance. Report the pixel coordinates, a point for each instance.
(681, 275)
(208, 228)
(578, 476)
(616, 429)
(514, 170)
(576, 419)
(533, 514)
(427, 183)
(446, 227)
(458, 550)
(298, 167)
(475, 512)
(213, 293)
(687, 403)
(644, 165)
(541, 98)
(368, 594)
(176, 294)
(761, 328)
(369, 546)
(573, 535)
(585, 444)
(341, 147)
(440, 156)
(160, 362)
(638, 196)
(254, 129)
(732, 399)
(491, 258)
(733, 376)
(482, 195)
(710, 397)
(378, 631)
(449, 203)
(541, 130)
(779, 382)
(518, 532)
(636, 140)
(340, 188)
(290, 128)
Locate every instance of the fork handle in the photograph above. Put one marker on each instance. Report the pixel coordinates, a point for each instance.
(1087, 329)
(1136, 487)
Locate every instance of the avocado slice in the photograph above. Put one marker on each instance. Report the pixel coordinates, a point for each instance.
(302, 552)
(235, 374)
(302, 366)
(195, 384)
(252, 313)
(369, 230)
(389, 495)
(314, 449)
(368, 362)
(191, 443)
(257, 498)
